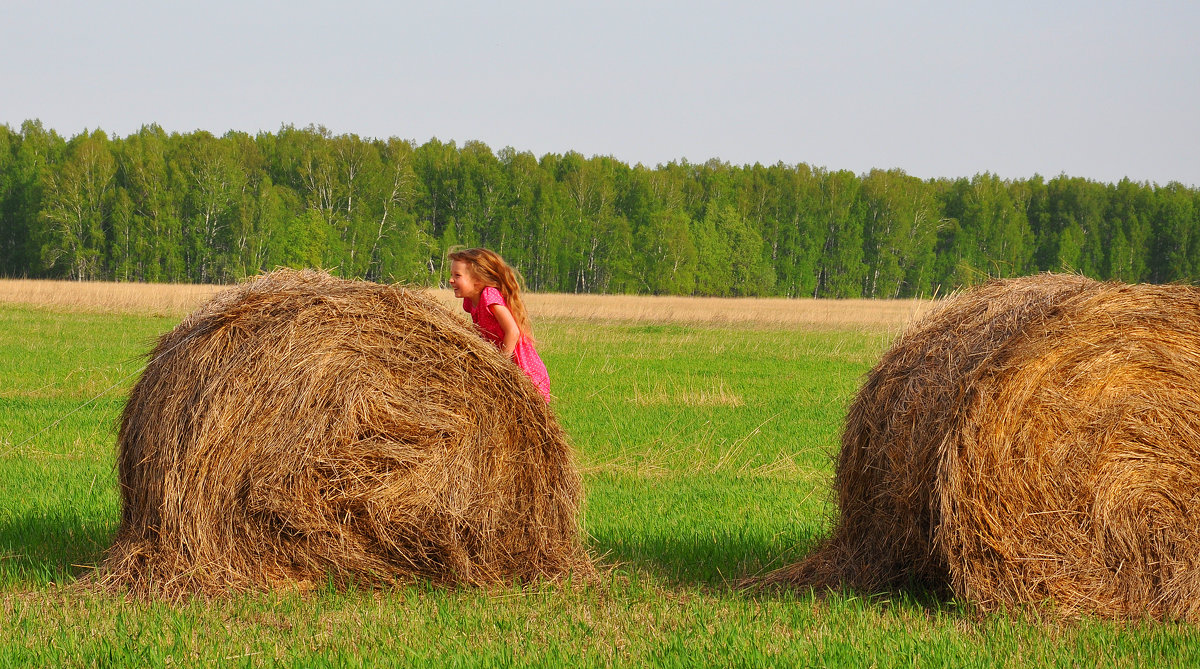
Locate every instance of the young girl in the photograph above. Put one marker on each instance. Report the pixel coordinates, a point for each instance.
(491, 295)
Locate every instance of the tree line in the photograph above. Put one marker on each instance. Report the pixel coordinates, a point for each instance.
(169, 207)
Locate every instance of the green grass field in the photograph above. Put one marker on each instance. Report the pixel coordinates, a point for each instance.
(706, 452)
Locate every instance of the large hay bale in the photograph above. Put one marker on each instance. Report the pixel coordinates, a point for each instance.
(1031, 441)
(301, 428)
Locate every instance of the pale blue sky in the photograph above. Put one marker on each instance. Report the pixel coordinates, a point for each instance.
(1101, 90)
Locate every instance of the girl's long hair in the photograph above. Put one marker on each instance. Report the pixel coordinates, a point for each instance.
(490, 268)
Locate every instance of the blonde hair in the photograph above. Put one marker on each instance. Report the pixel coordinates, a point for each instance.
(487, 266)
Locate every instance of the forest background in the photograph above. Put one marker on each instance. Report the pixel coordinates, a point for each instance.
(198, 208)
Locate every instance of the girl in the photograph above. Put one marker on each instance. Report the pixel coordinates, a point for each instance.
(489, 290)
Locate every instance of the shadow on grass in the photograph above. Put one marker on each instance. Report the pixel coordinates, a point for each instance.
(932, 598)
(720, 562)
(38, 549)
(729, 563)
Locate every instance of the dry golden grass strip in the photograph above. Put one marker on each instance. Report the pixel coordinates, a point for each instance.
(301, 428)
(163, 299)
(181, 299)
(773, 311)
(1032, 441)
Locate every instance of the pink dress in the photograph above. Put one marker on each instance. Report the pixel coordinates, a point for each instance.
(524, 355)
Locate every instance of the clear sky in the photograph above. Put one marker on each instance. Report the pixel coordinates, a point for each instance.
(1098, 89)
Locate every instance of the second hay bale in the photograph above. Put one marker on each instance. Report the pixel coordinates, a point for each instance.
(1032, 440)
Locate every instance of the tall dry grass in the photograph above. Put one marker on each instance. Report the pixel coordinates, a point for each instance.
(181, 299)
(165, 299)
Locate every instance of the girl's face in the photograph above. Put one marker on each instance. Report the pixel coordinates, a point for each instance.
(463, 281)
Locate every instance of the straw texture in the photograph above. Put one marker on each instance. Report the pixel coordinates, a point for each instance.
(1031, 441)
(301, 428)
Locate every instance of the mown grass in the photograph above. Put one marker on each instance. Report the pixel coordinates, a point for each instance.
(706, 456)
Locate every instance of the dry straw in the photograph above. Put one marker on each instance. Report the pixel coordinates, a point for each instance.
(1032, 441)
(301, 429)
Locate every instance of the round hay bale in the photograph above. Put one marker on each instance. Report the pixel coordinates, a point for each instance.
(1031, 441)
(305, 429)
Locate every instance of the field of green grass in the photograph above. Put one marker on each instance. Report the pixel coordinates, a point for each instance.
(706, 451)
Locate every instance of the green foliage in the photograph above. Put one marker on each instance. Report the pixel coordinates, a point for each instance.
(77, 202)
(195, 207)
(303, 242)
(899, 234)
(12, 233)
(1176, 256)
(730, 255)
(668, 252)
(841, 271)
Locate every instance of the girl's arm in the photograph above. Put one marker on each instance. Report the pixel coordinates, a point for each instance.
(508, 324)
